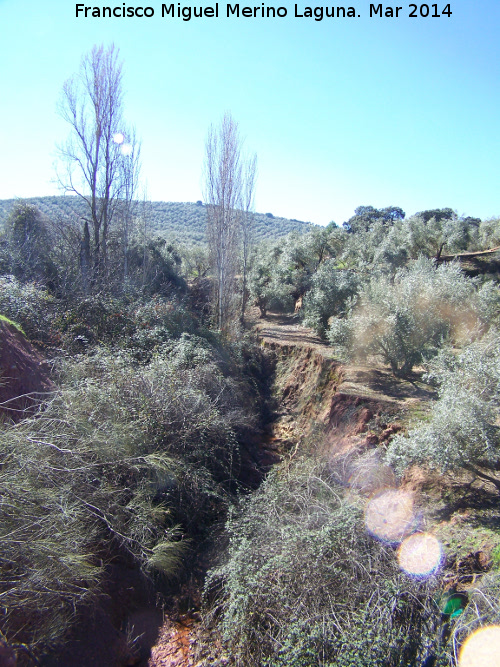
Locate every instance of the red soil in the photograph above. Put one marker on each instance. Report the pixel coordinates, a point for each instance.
(24, 376)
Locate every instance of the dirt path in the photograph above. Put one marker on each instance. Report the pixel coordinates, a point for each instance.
(286, 330)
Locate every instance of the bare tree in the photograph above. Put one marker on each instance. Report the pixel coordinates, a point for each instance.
(92, 104)
(247, 236)
(227, 197)
(129, 167)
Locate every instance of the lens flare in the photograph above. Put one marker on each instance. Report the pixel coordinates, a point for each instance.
(371, 478)
(420, 554)
(389, 515)
(126, 149)
(118, 138)
(481, 649)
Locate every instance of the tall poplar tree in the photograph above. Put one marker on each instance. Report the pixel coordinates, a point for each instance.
(229, 184)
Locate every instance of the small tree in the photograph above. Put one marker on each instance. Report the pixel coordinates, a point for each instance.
(462, 430)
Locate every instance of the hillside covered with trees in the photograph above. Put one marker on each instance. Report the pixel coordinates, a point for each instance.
(183, 222)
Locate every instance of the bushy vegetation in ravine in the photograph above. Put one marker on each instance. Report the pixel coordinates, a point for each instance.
(134, 457)
(302, 582)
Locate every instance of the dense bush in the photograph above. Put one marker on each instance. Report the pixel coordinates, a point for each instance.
(78, 483)
(304, 584)
(124, 461)
(153, 267)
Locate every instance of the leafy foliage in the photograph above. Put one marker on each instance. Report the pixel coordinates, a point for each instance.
(407, 319)
(305, 585)
(462, 430)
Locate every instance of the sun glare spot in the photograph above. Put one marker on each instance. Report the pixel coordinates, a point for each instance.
(420, 554)
(126, 149)
(481, 649)
(118, 138)
(389, 515)
(371, 478)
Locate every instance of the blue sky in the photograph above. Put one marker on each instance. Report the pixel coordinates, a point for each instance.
(341, 112)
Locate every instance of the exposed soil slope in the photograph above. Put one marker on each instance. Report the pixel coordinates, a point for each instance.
(353, 405)
(24, 376)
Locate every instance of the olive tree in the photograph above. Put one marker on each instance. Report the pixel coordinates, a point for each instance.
(407, 319)
(434, 231)
(269, 288)
(331, 289)
(462, 431)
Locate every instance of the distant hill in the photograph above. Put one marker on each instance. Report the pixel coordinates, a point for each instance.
(181, 221)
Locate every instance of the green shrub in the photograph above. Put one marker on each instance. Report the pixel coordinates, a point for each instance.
(304, 584)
